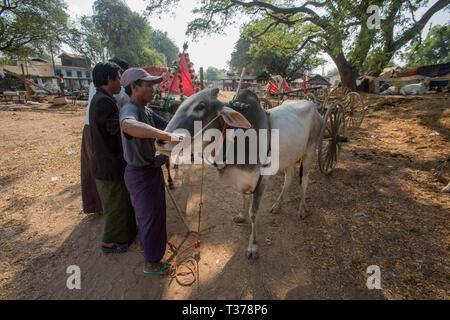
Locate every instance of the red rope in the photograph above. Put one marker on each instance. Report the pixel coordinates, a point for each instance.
(188, 263)
(213, 152)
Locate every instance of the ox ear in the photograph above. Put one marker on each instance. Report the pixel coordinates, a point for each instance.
(215, 93)
(234, 118)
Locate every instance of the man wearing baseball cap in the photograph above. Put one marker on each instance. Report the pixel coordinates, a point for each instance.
(140, 127)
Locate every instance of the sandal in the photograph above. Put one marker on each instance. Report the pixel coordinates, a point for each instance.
(115, 248)
(167, 265)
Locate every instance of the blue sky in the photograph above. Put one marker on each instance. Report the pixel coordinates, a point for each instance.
(212, 50)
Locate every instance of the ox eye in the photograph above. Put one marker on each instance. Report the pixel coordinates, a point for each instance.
(200, 107)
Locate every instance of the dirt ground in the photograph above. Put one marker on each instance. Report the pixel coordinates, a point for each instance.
(381, 206)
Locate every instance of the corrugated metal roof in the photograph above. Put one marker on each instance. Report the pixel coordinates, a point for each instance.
(319, 80)
(72, 56)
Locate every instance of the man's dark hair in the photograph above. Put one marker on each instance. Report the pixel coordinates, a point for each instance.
(128, 87)
(121, 63)
(103, 72)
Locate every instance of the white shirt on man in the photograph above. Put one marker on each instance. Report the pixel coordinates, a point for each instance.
(122, 98)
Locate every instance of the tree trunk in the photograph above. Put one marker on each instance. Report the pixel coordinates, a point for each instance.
(53, 59)
(348, 76)
(347, 71)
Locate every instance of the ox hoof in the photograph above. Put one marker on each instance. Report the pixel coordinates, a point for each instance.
(302, 214)
(175, 167)
(274, 210)
(171, 186)
(252, 252)
(239, 219)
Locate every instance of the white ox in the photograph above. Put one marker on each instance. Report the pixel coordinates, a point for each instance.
(298, 124)
(415, 88)
(391, 90)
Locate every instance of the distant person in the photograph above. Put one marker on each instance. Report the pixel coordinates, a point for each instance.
(108, 164)
(89, 195)
(144, 178)
(62, 85)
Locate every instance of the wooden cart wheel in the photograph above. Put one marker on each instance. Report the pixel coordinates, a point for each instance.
(354, 110)
(338, 93)
(314, 98)
(332, 135)
(300, 95)
(322, 94)
(265, 103)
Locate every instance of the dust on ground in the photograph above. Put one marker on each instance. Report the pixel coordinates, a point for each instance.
(381, 206)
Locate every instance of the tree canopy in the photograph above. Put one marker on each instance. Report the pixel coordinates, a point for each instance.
(339, 28)
(126, 34)
(433, 50)
(88, 41)
(272, 52)
(30, 26)
(213, 74)
(115, 30)
(161, 42)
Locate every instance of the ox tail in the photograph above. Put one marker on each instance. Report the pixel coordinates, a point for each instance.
(301, 172)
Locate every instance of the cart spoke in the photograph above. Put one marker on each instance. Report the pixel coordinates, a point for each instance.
(329, 159)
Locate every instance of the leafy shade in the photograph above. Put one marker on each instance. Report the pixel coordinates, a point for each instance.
(160, 42)
(434, 50)
(126, 34)
(273, 53)
(340, 27)
(86, 40)
(29, 26)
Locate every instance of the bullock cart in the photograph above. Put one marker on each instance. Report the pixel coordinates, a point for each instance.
(341, 109)
(333, 111)
(353, 105)
(264, 98)
(335, 123)
(277, 91)
(332, 135)
(270, 98)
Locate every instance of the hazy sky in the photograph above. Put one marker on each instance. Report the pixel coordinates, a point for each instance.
(209, 51)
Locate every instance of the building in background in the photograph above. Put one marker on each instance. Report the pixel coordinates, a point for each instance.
(76, 70)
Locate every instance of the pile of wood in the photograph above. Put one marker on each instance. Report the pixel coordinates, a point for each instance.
(27, 94)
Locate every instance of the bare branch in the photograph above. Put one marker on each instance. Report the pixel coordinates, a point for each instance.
(293, 10)
(7, 5)
(419, 25)
(308, 40)
(265, 30)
